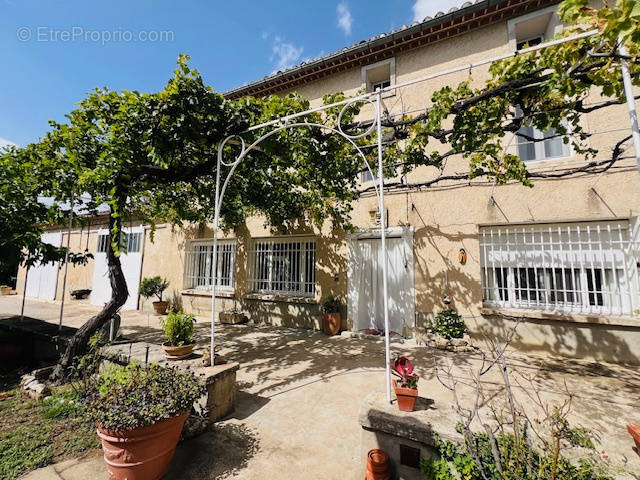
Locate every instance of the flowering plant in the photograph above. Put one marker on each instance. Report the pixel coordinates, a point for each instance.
(403, 369)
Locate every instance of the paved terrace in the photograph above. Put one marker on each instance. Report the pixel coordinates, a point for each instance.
(300, 393)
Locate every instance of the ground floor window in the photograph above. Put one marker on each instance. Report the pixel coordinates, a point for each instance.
(129, 242)
(199, 265)
(566, 268)
(285, 266)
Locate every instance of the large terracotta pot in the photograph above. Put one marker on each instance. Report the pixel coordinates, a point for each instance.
(377, 465)
(141, 453)
(178, 353)
(634, 431)
(406, 398)
(331, 323)
(160, 307)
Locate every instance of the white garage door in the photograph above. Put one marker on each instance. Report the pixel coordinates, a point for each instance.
(131, 267)
(42, 279)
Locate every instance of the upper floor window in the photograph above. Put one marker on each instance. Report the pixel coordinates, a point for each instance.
(533, 28)
(199, 265)
(534, 144)
(284, 266)
(380, 75)
(584, 268)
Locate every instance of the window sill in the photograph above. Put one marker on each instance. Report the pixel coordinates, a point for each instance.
(280, 298)
(205, 293)
(612, 320)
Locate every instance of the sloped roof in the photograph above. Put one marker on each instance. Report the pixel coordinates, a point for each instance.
(456, 21)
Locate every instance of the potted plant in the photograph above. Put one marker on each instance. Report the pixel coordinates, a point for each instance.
(634, 431)
(139, 413)
(331, 319)
(155, 286)
(178, 327)
(406, 385)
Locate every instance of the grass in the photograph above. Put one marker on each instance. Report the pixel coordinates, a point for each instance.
(35, 434)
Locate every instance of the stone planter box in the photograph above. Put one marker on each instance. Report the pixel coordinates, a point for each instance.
(232, 318)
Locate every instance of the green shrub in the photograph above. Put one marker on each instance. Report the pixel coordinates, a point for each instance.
(448, 324)
(151, 286)
(331, 304)
(518, 461)
(133, 396)
(178, 327)
(23, 449)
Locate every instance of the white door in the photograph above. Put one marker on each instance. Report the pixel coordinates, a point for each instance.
(365, 297)
(42, 279)
(131, 262)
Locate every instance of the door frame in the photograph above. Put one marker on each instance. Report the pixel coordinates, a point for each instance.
(403, 232)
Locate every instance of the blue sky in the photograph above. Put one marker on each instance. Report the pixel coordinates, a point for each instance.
(54, 52)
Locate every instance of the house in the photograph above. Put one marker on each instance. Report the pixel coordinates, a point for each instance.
(561, 256)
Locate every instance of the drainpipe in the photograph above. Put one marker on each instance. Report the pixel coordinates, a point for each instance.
(66, 265)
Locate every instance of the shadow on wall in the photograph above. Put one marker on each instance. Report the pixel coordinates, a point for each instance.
(449, 277)
(607, 343)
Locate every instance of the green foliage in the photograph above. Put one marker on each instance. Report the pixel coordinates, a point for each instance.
(24, 449)
(331, 304)
(62, 404)
(179, 328)
(151, 286)
(133, 396)
(175, 304)
(518, 461)
(448, 323)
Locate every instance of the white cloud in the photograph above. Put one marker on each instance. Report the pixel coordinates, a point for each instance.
(428, 8)
(284, 55)
(345, 20)
(6, 143)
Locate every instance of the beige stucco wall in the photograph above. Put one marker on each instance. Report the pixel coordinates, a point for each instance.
(445, 218)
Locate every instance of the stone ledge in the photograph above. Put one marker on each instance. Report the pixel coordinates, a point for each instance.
(613, 321)
(280, 298)
(207, 294)
(421, 425)
(211, 374)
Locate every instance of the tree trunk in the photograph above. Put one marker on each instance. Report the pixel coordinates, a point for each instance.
(119, 293)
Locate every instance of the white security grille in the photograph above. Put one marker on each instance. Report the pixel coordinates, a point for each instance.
(129, 242)
(284, 266)
(199, 265)
(582, 268)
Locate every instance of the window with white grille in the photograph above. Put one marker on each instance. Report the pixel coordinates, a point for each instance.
(129, 242)
(284, 266)
(199, 265)
(585, 268)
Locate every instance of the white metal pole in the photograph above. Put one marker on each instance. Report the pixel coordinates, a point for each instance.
(214, 260)
(66, 266)
(24, 293)
(631, 102)
(383, 235)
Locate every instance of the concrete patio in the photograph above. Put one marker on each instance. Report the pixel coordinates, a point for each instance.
(300, 394)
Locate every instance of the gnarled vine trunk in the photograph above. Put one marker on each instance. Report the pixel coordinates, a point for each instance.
(78, 343)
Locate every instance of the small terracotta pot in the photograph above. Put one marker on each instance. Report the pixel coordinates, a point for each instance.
(178, 353)
(141, 453)
(331, 323)
(406, 398)
(634, 431)
(377, 465)
(160, 307)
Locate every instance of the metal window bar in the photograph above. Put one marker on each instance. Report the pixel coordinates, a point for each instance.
(564, 268)
(283, 266)
(199, 261)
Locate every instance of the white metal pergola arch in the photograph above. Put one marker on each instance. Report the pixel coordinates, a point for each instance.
(282, 124)
(374, 98)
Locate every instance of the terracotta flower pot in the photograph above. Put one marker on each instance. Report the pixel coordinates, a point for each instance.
(331, 323)
(406, 398)
(141, 453)
(634, 431)
(377, 465)
(160, 307)
(178, 353)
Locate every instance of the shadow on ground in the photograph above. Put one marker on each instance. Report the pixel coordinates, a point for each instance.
(218, 453)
